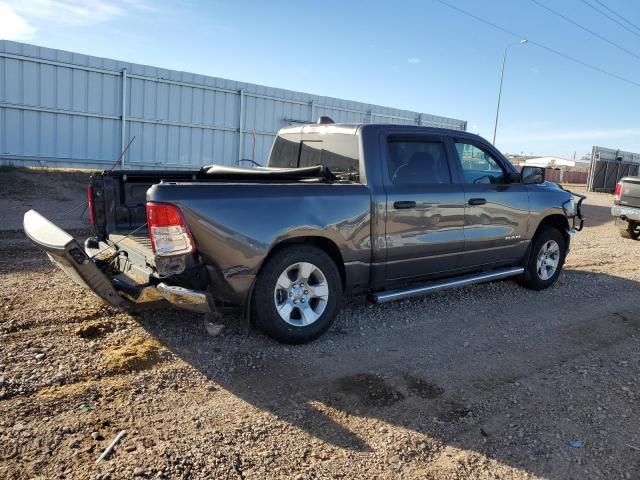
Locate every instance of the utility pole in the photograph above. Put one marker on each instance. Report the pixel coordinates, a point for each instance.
(504, 60)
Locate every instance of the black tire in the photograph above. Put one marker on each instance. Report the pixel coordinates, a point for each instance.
(531, 278)
(630, 230)
(265, 295)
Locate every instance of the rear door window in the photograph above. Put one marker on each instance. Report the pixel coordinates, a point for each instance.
(415, 161)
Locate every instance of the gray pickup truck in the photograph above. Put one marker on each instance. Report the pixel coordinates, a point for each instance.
(386, 210)
(626, 207)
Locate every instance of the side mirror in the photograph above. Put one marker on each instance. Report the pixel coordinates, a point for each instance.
(532, 175)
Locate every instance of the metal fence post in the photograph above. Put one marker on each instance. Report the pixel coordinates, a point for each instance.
(241, 128)
(592, 170)
(124, 116)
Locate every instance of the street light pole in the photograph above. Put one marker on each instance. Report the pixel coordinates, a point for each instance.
(504, 60)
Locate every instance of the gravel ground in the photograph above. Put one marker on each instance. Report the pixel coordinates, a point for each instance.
(485, 382)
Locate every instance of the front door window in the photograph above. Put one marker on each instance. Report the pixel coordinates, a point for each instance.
(479, 166)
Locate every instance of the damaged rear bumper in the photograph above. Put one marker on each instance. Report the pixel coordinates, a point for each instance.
(197, 301)
(66, 253)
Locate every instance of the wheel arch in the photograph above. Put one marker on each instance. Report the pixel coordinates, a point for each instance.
(557, 221)
(325, 244)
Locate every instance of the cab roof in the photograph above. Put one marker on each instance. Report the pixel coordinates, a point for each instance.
(355, 128)
(345, 128)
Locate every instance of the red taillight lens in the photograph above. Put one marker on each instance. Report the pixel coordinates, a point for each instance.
(168, 233)
(618, 191)
(92, 216)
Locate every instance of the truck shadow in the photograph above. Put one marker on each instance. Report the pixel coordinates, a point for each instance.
(596, 215)
(425, 365)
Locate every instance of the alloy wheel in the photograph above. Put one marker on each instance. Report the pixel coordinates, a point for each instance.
(301, 294)
(548, 260)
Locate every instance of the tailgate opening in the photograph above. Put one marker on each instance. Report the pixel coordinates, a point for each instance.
(119, 291)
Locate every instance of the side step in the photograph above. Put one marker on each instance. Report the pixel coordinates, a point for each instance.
(391, 295)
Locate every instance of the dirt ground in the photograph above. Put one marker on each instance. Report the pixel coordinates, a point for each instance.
(59, 194)
(487, 382)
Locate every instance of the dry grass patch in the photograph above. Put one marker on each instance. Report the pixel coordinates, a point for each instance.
(138, 353)
(83, 388)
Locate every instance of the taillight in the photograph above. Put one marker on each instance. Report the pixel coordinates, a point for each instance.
(168, 233)
(618, 191)
(92, 216)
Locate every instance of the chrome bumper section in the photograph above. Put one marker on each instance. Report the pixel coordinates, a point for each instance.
(187, 299)
(626, 213)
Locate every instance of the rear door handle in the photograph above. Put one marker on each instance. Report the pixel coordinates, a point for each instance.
(404, 204)
(477, 201)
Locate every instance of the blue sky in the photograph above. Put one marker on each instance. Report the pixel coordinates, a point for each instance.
(418, 55)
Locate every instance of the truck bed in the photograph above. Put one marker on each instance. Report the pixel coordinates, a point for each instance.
(119, 197)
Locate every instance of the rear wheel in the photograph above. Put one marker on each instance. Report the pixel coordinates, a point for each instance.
(630, 230)
(297, 294)
(548, 252)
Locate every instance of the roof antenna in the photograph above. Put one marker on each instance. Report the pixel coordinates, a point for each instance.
(324, 120)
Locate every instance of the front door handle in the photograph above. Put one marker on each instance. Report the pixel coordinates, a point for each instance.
(477, 201)
(404, 204)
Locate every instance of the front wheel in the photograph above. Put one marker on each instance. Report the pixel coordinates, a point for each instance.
(548, 252)
(297, 294)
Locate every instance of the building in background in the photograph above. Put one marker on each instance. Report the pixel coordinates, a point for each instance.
(517, 160)
(64, 109)
(557, 162)
(560, 170)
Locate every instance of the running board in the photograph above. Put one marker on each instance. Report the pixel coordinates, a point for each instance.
(390, 296)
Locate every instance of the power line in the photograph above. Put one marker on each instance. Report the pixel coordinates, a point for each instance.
(613, 19)
(604, 14)
(588, 30)
(540, 45)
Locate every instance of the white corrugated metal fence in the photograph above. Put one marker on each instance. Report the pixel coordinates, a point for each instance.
(65, 109)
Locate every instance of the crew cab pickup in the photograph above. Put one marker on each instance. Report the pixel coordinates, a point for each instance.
(626, 207)
(389, 211)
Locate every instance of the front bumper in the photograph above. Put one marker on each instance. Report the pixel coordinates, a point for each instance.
(66, 253)
(626, 213)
